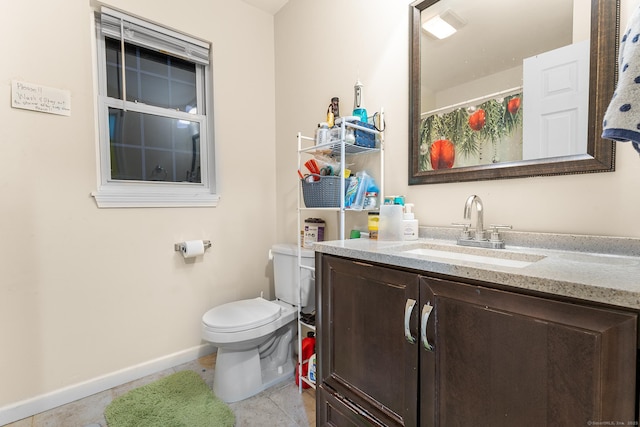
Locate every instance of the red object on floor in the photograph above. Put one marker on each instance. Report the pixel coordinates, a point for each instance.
(308, 349)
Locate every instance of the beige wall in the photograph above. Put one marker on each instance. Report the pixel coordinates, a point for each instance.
(321, 47)
(85, 292)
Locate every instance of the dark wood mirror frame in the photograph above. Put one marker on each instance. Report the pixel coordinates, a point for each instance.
(600, 157)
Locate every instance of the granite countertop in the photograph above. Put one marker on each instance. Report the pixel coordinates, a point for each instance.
(592, 268)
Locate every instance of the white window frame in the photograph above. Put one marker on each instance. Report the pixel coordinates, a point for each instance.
(119, 193)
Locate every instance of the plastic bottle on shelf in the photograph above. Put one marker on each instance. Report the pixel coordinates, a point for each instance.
(371, 196)
(335, 106)
(370, 200)
(308, 350)
(349, 136)
(312, 368)
(330, 117)
(322, 134)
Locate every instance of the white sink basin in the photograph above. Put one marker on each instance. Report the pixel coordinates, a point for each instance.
(497, 257)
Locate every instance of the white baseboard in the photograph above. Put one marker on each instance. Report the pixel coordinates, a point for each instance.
(44, 402)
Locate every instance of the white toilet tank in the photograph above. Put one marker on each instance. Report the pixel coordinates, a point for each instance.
(285, 274)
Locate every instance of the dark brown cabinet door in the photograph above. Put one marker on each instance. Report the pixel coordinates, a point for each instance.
(339, 412)
(365, 357)
(504, 359)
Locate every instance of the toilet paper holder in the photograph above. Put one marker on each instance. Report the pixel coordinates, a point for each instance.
(178, 246)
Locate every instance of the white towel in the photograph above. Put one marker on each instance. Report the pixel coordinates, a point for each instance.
(622, 119)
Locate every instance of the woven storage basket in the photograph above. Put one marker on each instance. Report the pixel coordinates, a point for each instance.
(324, 193)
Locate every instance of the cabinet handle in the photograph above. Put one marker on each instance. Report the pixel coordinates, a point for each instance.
(408, 309)
(426, 312)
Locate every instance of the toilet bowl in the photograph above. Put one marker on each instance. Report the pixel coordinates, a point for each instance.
(254, 339)
(255, 336)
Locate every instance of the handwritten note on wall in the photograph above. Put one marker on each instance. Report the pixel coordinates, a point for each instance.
(29, 96)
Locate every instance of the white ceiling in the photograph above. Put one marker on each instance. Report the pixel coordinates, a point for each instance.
(269, 6)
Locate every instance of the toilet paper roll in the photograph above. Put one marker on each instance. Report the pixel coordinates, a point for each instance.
(192, 248)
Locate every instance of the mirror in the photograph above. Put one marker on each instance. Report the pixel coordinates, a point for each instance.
(483, 103)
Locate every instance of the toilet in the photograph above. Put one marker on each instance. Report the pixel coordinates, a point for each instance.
(255, 337)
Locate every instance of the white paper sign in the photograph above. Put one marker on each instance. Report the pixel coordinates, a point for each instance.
(29, 96)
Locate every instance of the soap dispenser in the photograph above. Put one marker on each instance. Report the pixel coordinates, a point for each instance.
(409, 223)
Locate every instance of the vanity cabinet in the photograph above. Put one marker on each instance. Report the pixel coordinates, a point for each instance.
(465, 353)
(366, 363)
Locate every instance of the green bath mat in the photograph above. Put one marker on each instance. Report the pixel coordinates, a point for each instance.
(182, 399)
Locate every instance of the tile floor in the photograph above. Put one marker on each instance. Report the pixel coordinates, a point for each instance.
(281, 405)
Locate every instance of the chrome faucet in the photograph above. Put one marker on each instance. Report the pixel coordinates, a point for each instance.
(479, 239)
(479, 221)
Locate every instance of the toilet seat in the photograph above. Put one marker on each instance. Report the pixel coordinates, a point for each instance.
(241, 315)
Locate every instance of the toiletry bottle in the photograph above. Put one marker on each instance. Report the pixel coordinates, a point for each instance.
(335, 107)
(372, 224)
(330, 117)
(312, 368)
(349, 136)
(409, 223)
(322, 134)
(370, 200)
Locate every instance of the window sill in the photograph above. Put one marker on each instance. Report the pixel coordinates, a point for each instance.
(137, 198)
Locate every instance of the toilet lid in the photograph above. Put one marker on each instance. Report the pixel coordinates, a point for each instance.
(241, 315)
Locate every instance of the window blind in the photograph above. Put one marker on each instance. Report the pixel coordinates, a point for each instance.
(120, 26)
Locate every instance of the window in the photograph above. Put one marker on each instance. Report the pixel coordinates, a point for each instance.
(154, 115)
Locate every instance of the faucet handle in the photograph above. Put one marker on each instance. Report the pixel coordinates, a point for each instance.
(464, 234)
(495, 235)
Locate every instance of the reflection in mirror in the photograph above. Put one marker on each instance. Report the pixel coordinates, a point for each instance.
(513, 91)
